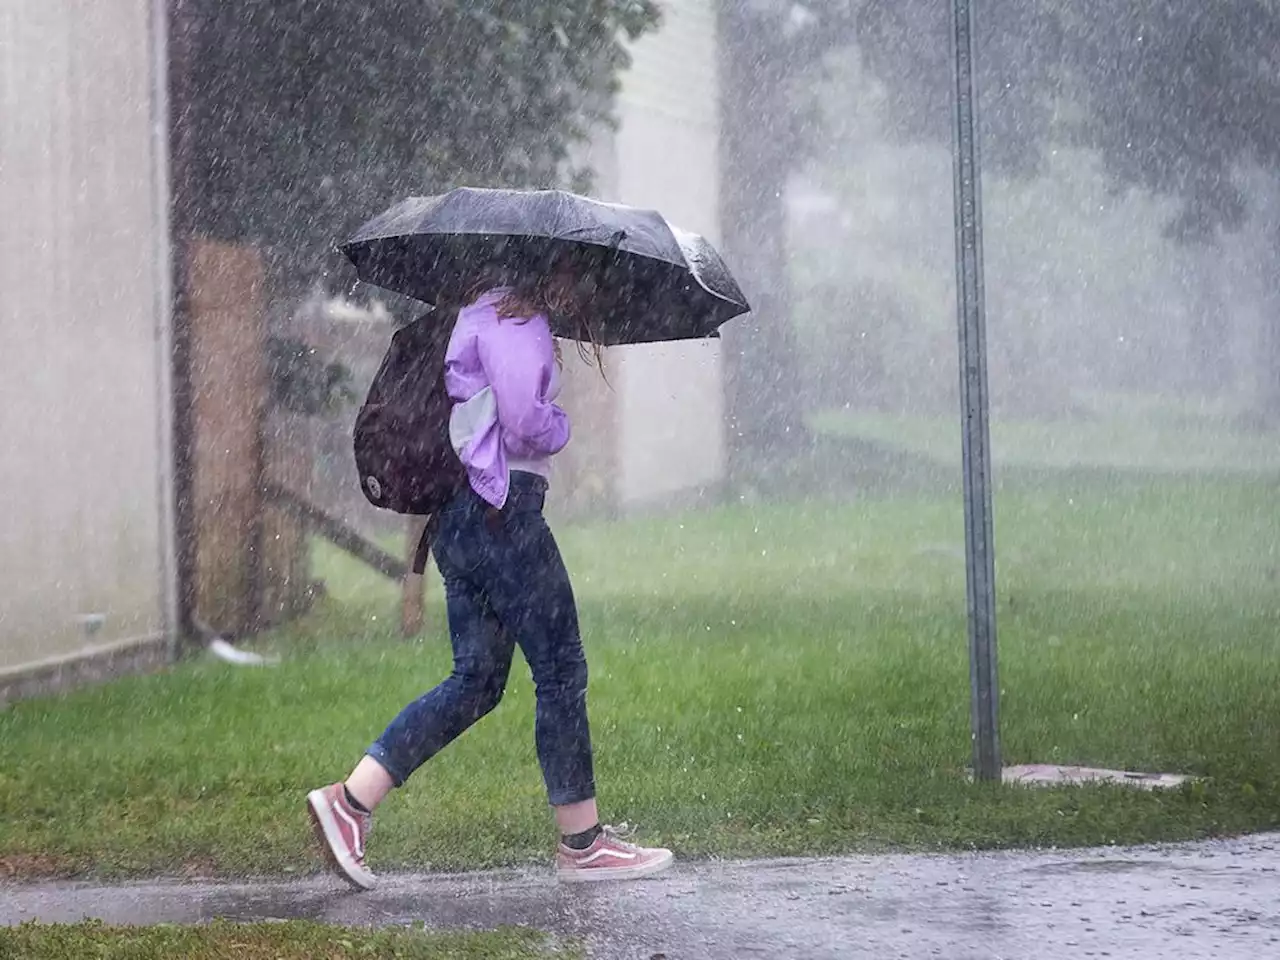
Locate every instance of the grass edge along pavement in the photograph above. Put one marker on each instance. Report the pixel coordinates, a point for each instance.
(766, 679)
(285, 940)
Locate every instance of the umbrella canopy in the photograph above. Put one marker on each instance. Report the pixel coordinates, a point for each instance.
(653, 282)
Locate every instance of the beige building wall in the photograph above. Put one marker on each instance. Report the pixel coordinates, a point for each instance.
(660, 429)
(84, 352)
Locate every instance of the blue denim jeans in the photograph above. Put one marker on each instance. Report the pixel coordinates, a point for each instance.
(505, 584)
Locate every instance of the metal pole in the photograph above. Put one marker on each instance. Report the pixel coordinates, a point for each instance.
(971, 314)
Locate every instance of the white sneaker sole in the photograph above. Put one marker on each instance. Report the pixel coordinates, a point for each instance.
(330, 836)
(604, 874)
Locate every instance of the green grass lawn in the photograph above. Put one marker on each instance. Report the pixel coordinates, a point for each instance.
(1123, 434)
(292, 940)
(766, 679)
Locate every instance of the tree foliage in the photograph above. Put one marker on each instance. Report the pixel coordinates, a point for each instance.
(310, 115)
(1176, 95)
(1179, 96)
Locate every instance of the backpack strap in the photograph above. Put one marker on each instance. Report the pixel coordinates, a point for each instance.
(432, 527)
(424, 543)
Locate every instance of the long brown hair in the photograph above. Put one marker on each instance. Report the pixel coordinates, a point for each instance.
(544, 295)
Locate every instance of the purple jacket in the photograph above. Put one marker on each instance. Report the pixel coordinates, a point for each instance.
(504, 379)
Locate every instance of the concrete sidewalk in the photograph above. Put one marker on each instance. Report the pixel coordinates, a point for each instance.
(1216, 900)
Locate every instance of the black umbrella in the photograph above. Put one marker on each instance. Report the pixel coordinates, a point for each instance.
(653, 281)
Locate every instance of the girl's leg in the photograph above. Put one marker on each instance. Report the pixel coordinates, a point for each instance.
(534, 599)
(576, 818)
(368, 784)
(531, 594)
(482, 653)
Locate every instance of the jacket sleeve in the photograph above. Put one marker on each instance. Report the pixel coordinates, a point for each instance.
(518, 358)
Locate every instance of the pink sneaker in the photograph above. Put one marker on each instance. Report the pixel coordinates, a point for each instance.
(610, 858)
(341, 830)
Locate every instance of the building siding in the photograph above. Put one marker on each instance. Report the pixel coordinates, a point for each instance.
(673, 72)
(83, 367)
(670, 410)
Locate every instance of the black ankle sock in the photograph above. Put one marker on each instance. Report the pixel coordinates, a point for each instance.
(580, 841)
(353, 801)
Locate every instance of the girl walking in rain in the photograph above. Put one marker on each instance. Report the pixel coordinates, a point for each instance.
(505, 586)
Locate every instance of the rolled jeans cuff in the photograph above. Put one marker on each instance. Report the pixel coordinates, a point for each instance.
(380, 754)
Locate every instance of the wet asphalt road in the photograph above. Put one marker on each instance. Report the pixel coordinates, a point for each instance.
(1216, 900)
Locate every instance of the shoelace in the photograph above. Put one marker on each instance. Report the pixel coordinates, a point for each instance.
(620, 834)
